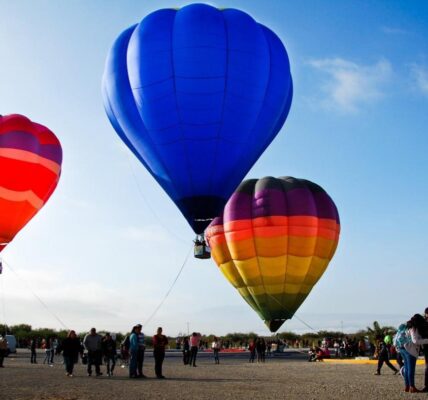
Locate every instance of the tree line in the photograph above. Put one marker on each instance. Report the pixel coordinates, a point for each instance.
(25, 332)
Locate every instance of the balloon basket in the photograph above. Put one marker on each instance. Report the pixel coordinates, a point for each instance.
(201, 249)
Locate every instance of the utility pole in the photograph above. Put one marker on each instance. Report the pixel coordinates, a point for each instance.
(341, 324)
(188, 331)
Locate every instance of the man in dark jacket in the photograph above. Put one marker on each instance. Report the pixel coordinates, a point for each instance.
(109, 352)
(71, 348)
(33, 349)
(159, 343)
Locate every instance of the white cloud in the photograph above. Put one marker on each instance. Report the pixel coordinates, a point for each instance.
(420, 76)
(349, 85)
(40, 296)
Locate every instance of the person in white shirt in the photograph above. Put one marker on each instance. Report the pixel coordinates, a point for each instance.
(216, 345)
(415, 327)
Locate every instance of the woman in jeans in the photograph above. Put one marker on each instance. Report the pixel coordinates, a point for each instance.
(410, 352)
(195, 341)
(71, 348)
(216, 345)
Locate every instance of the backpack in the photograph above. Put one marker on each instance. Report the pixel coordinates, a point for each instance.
(402, 337)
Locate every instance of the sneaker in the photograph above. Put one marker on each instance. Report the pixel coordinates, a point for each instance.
(70, 375)
(99, 373)
(377, 373)
(89, 374)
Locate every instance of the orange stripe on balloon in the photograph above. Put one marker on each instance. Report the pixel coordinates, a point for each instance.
(279, 225)
(28, 156)
(276, 220)
(27, 195)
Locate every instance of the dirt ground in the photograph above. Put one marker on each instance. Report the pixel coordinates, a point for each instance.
(234, 378)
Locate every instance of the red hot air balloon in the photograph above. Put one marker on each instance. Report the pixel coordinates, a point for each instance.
(30, 167)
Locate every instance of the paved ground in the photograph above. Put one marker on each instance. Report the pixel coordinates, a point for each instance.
(287, 377)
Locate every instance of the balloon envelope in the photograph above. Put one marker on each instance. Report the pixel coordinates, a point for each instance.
(30, 165)
(273, 242)
(197, 94)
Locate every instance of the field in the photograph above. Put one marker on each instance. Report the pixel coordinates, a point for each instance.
(289, 377)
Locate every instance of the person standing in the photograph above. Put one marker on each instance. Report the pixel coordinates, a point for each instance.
(141, 350)
(137, 349)
(108, 346)
(216, 345)
(261, 350)
(133, 352)
(3, 350)
(186, 351)
(54, 347)
(195, 340)
(33, 349)
(252, 349)
(410, 351)
(92, 343)
(71, 348)
(425, 389)
(47, 346)
(159, 343)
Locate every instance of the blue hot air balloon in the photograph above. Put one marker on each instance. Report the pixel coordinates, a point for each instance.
(197, 94)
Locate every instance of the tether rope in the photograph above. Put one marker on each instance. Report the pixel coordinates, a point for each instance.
(170, 289)
(36, 296)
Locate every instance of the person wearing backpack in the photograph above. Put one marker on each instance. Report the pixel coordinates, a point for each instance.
(410, 350)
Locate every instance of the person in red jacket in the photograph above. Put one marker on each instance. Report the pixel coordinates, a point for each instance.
(159, 343)
(252, 348)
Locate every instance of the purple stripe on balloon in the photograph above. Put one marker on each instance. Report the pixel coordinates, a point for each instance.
(294, 202)
(28, 142)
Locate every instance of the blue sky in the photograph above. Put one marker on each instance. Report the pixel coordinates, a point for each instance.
(109, 242)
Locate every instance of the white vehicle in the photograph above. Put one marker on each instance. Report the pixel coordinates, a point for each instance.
(11, 344)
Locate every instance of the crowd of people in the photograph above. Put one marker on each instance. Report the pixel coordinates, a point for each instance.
(410, 340)
(95, 350)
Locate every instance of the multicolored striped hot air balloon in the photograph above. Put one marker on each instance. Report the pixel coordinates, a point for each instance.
(30, 167)
(274, 241)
